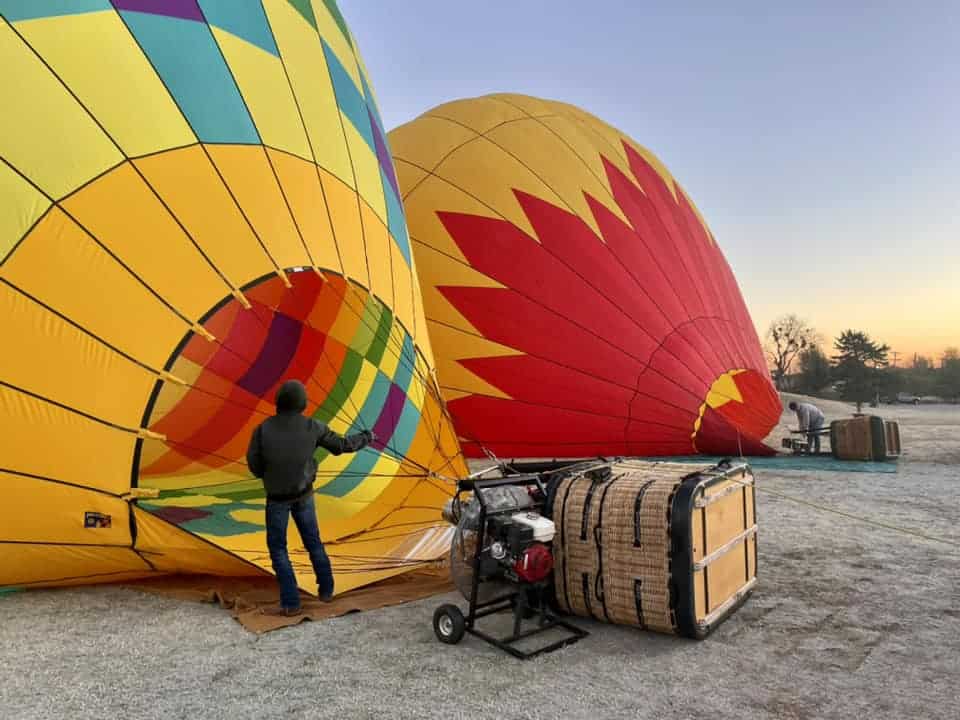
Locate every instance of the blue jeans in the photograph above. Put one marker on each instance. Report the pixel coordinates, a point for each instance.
(305, 518)
(813, 439)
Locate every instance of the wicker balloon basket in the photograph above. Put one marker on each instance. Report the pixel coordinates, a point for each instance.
(660, 546)
(866, 437)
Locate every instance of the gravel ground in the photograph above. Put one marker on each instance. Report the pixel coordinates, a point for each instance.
(848, 620)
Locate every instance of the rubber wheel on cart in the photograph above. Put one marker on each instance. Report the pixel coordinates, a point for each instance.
(449, 624)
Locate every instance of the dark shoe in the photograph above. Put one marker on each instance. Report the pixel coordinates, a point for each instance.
(325, 598)
(282, 611)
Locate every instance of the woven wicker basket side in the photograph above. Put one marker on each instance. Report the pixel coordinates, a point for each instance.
(636, 552)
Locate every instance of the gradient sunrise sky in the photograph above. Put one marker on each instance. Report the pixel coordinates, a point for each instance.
(821, 140)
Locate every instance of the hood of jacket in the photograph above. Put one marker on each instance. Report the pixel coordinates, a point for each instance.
(291, 397)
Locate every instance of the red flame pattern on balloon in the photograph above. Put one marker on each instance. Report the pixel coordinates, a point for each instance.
(634, 343)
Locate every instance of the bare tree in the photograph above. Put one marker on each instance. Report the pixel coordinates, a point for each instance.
(787, 337)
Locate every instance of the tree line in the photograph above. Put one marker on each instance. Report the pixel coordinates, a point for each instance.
(858, 369)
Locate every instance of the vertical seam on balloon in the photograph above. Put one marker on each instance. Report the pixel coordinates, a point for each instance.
(436, 436)
(353, 169)
(684, 227)
(243, 213)
(722, 291)
(202, 145)
(256, 129)
(691, 318)
(116, 145)
(286, 202)
(392, 241)
(306, 134)
(651, 208)
(684, 231)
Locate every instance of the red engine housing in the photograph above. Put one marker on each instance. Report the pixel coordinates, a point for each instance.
(535, 564)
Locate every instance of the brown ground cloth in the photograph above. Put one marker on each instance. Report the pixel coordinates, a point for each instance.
(246, 597)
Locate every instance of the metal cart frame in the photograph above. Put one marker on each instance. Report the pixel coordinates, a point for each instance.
(516, 600)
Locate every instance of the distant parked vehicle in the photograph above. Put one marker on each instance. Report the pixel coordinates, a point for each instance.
(912, 399)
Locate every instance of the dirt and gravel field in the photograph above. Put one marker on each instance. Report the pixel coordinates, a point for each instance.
(849, 620)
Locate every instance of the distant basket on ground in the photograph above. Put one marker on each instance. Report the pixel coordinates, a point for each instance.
(867, 437)
(655, 545)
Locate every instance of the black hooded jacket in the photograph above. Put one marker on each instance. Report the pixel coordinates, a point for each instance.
(282, 448)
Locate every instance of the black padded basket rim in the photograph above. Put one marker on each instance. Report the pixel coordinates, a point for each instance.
(682, 510)
(878, 437)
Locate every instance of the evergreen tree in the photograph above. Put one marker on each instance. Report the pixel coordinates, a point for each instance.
(856, 365)
(814, 370)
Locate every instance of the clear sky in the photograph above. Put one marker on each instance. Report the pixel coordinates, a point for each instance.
(820, 140)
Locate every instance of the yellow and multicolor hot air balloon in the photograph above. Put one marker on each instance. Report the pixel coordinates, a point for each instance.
(197, 204)
(577, 303)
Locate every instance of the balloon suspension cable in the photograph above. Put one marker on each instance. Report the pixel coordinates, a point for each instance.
(481, 473)
(493, 458)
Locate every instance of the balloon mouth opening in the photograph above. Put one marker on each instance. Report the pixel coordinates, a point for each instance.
(317, 331)
(738, 410)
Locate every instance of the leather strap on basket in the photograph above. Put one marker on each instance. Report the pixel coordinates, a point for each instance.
(638, 599)
(563, 535)
(586, 593)
(598, 542)
(637, 505)
(586, 508)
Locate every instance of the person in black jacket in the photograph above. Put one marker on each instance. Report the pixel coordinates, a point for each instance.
(281, 453)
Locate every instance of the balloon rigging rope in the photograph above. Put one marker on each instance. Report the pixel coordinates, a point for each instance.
(859, 518)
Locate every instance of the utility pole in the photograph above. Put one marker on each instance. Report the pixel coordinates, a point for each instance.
(894, 353)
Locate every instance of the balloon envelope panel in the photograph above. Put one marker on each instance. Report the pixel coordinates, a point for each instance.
(199, 203)
(578, 304)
